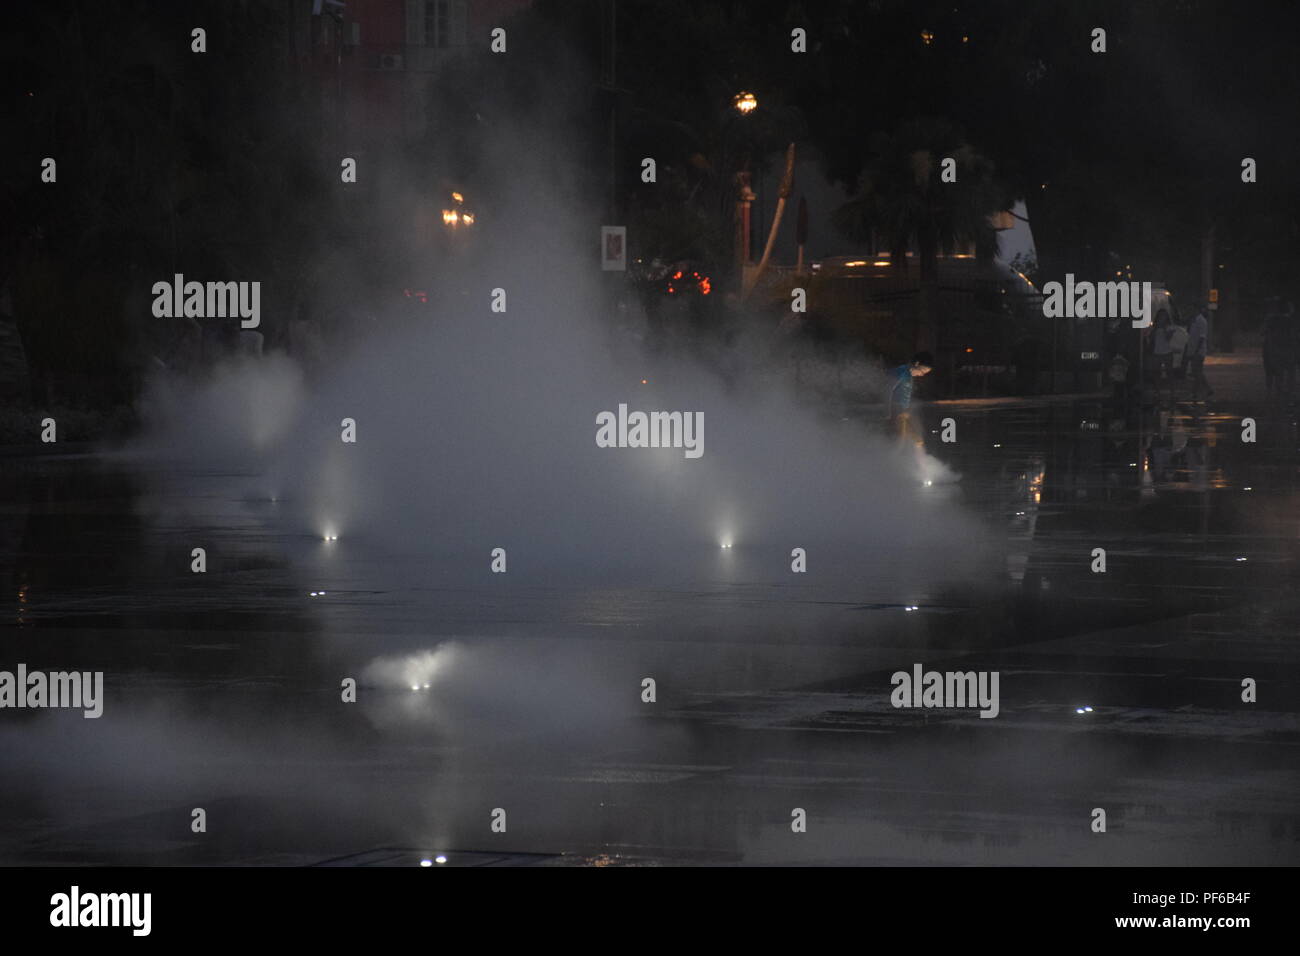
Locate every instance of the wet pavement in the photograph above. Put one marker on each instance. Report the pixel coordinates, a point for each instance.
(223, 689)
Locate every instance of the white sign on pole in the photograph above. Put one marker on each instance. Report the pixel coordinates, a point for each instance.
(613, 248)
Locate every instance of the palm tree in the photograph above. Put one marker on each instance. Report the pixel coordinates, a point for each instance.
(702, 158)
(903, 202)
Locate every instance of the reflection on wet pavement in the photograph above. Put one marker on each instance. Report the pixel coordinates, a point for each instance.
(1119, 689)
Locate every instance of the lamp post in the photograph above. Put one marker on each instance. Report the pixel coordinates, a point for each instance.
(744, 104)
(744, 197)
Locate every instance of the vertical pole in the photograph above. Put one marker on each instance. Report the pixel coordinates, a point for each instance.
(738, 234)
(1207, 275)
(745, 206)
(744, 196)
(613, 111)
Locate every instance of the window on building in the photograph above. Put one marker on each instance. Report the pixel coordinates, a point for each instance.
(437, 23)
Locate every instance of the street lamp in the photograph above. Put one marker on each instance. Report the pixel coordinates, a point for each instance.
(457, 215)
(744, 103)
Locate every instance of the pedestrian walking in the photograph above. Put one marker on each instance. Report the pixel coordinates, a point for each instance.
(1178, 339)
(1117, 372)
(1163, 353)
(1279, 354)
(1293, 339)
(1198, 342)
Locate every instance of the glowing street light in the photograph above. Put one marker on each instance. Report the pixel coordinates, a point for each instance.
(744, 103)
(456, 216)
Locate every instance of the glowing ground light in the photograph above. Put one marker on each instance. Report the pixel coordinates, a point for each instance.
(317, 593)
(1083, 710)
(440, 859)
(426, 863)
(1241, 559)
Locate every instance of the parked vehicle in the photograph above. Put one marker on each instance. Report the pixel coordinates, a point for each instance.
(989, 332)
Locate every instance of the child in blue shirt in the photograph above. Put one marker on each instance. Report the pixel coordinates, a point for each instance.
(900, 395)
